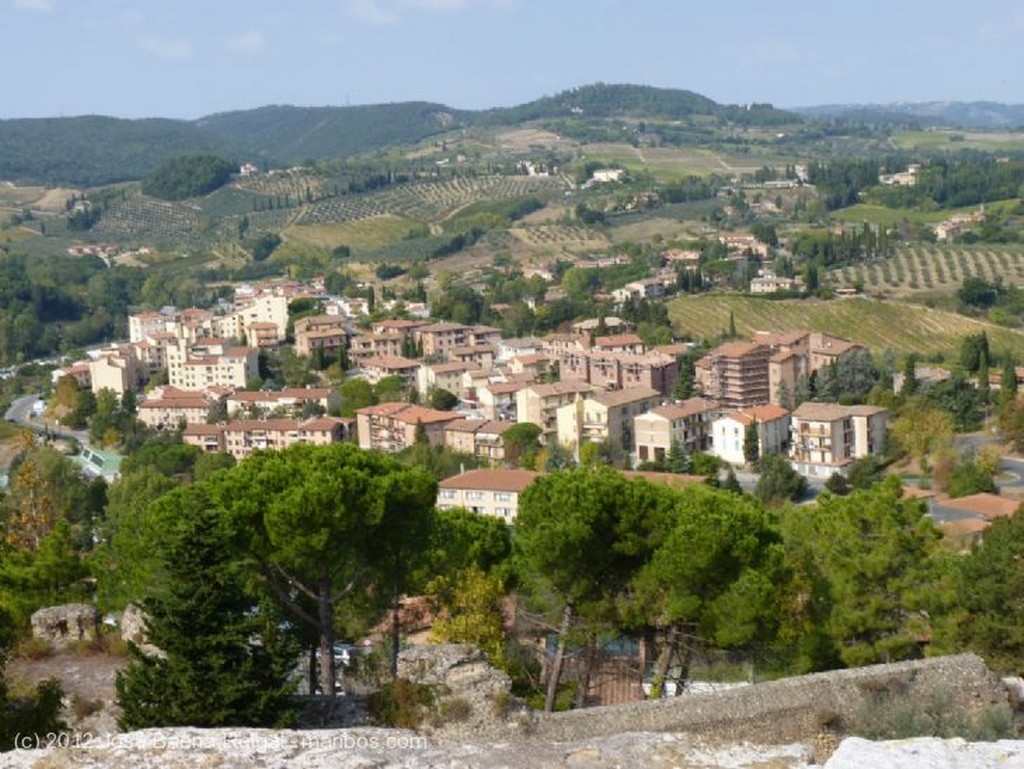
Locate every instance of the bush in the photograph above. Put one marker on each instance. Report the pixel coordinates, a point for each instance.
(31, 712)
(402, 703)
(888, 715)
(34, 649)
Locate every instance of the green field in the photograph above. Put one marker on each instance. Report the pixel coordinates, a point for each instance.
(668, 163)
(953, 141)
(889, 217)
(360, 234)
(902, 328)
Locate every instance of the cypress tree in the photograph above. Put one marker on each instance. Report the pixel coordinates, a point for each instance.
(224, 661)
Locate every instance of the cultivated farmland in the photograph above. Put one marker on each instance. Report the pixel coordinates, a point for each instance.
(428, 202)
(147, 219)
(902, 328)
(560, 237)
(934, 269)
(363, 234)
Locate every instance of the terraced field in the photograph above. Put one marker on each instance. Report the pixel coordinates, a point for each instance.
(934, 268)
(880, 325)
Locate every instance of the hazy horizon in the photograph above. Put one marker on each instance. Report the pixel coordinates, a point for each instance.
(184, 59)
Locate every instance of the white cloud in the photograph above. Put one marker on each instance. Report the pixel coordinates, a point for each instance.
(166, 49)
(35, 6)
(369, 12)
(382, 12)
(443, 6)
(247, 42)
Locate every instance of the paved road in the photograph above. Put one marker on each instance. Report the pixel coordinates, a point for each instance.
(20, 412)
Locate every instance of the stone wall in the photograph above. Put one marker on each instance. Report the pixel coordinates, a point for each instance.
(787, 710)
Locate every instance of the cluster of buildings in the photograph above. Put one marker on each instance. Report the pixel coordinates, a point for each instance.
(597, 383)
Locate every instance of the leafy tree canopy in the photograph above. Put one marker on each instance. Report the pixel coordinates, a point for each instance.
(187, 176)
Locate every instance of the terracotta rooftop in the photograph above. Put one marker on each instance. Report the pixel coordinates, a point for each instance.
(491, 480)
(628, 395)
(685, 408)
(763, 413)
(618, 340)
(389, 363)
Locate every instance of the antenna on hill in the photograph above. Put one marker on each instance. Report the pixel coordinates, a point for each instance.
(346, 99)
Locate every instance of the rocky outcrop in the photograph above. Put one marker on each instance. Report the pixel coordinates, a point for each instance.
(392, 749)
(66, 624)
(397, 749)
(133, 630)
(473, 698)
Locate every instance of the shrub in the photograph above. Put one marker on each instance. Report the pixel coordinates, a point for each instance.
(33, 649)
(402, 703)
(892, 715)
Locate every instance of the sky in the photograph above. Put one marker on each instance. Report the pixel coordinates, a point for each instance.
(189, 58)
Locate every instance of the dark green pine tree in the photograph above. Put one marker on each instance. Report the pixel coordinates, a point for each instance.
(226, 661)
(1008, 381)
(983, 383)
(684, 385)
(751, 443)
(678, 461)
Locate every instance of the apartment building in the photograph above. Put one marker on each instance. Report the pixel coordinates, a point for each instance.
(826, 437)
(260, 309)
(444, 376)
(619, 343)
(116, 370)
(376, 369)
(539, 403)
(392, 426)
(165, 408)
(487, 492)
(290, 401)
(241, 437)
(735, 374)
(363, 346)
(436, 339)
(604, 417)
(480, 438)
(688, 423)
(208, 362)
(499, 400)
(729, 432)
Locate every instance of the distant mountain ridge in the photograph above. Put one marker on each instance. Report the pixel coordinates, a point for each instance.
(88, 151)
(956, 114)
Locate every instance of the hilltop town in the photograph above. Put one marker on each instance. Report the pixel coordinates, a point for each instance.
(519, 383)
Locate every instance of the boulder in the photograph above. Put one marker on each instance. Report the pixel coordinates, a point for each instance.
(66, 624)
(133, 630)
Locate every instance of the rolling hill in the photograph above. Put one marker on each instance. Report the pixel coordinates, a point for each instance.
(89, 151)
(974, 114)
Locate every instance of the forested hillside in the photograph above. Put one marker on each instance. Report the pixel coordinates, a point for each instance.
(91, 151)
(293, 134)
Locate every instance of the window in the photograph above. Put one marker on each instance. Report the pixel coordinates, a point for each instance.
(475, 496)
(502, 496)
(447, 494)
